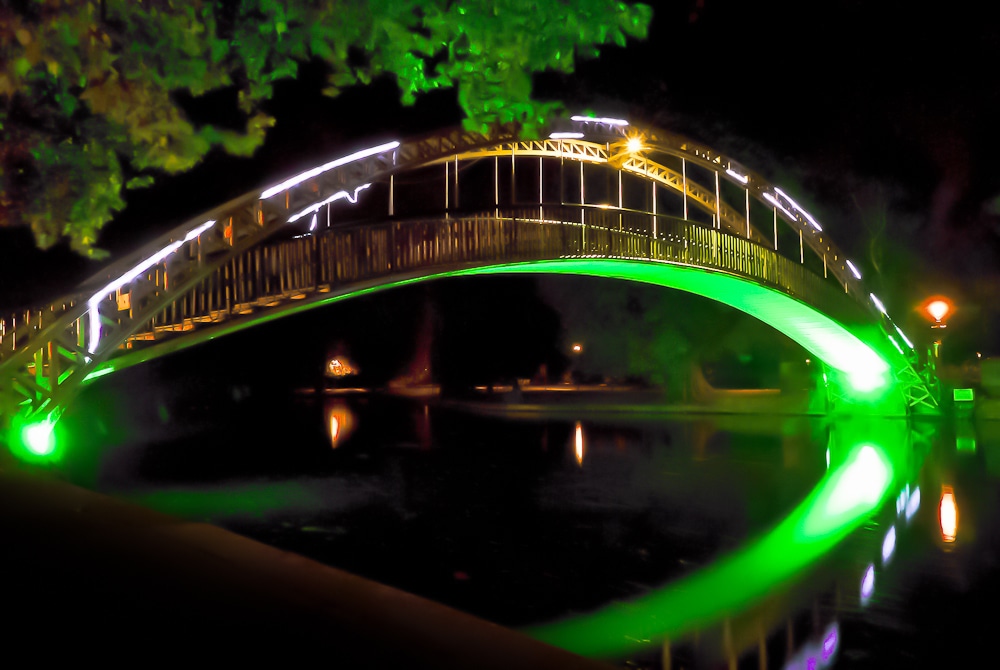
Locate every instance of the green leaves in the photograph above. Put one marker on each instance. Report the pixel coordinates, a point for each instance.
(85, 92)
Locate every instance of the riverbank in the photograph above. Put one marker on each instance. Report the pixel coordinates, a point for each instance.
(89, 575)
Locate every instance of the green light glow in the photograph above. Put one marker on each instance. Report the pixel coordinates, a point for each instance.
(99, 372)
(829, 341)
(38, 438)
(236, 500)
(839, 503)
(865, 374)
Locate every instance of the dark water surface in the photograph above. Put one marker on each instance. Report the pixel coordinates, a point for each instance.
(733, 541)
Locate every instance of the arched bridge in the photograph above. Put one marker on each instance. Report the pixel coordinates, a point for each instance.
(598, 196)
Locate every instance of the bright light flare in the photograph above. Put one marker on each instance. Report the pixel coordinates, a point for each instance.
(600, 119)
(339, 422)
(903, 335)
(878, 303)
(774, 201)
(39, 438)
(634, 145)
(743, 179)
(938, 309)
(308, 174)
(577, 348)
(948, 514)
(578, 443)
(861, 483)
(799, 209)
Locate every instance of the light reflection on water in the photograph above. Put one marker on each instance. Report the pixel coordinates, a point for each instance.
(555, 517)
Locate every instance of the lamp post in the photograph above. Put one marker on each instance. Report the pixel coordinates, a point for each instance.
(937, 309)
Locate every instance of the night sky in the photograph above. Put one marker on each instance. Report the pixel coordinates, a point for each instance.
(865, 112)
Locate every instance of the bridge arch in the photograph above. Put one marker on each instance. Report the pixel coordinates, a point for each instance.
(598, 196)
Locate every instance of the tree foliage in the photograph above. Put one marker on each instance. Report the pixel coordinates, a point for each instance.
(89, 90)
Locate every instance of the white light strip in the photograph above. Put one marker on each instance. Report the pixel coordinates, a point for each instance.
(913, 504)
(774, 201)
(565, 136)
(600, 119)
(358, 155)
(853, 270)
(95, 300)
(903, 335)
(878, 303)
(743, 179)
(339, 195)
(312, 224)
(799, 209)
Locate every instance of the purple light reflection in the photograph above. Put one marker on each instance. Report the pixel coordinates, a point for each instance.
(868, 584)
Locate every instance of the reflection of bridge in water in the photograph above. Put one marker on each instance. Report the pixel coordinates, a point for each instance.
(602, 198)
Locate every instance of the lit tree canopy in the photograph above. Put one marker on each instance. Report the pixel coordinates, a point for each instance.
(88, 89)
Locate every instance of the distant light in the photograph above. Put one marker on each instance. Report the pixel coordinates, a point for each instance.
(565, 136)
(634, 145)
(600, 119)
(578, 443)
(878, 303)
(868, 584)
(948, 514)
(854, 270)
(737, 176)
(308, 174)
(577, 348)
(888, 545)
(340, 422)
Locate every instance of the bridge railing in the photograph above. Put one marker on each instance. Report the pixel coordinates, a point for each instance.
(299, 268)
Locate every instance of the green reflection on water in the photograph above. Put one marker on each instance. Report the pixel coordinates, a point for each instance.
(230, 501)
(860, 477)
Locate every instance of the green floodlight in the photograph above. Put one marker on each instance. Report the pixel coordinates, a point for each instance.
(39, 438)
(35, 440)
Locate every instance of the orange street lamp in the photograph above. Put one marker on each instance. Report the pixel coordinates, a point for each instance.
(938, 308)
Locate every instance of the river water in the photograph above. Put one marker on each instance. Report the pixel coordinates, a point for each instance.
(646, 538)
